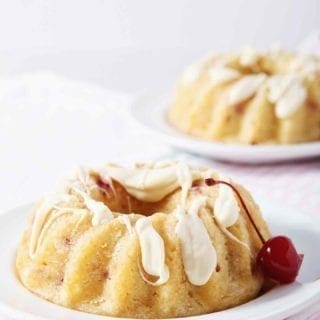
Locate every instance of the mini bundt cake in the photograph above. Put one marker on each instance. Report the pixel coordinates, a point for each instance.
(157, 240)
(249, 97)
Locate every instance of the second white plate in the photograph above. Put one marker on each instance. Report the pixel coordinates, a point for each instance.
(149, 111)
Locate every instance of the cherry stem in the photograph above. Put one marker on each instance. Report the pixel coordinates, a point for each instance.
(212, 182)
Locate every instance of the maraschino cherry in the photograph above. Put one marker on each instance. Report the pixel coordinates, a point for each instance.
(278, 257)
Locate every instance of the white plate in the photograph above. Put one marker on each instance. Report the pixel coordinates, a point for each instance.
(281, 302)
(149, 111)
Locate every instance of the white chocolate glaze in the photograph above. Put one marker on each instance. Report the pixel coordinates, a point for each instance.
(126, 221)
(306, 65)
(290, 102)
(248, 57)
(144, 183)
(198, 254)
(184, 178)
(220, 75)
(277, 85)
(101, 214)
(226, 209)
(152, 250)
(288, 94)
(41, 218)
(78, 182)
(78, 177)
(191, 74)
(153, 184)
(245, 88)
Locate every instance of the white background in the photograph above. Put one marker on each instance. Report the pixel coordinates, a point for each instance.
(138, 44)
(49, 124)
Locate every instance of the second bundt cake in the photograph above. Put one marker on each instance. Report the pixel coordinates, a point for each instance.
(250, 97)
(152, 241)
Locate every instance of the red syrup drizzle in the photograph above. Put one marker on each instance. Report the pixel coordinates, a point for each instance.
(278, 258)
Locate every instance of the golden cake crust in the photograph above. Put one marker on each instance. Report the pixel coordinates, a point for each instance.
(97, 268)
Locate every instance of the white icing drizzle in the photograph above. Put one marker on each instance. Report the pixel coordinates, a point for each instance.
(219, 75)
(40, 219)
(245, 88)
(306, 65)
(78, 181)
(194, 71)
(198, 254)
(232, 237)
(226, 209)
(288, 94)
(101, 214)
(277, 85)
(184, 177)
(151, 184)
(77, 178)
(248, 57)
(126, 221)
(191, 74)
(107, 180)
(152, 251)
(291, 101)
(145, 184)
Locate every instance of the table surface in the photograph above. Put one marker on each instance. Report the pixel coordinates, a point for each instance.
(48, 124)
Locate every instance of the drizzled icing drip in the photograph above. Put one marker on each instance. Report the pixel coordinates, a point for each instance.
(191, 74)
(245, 88)
(212, 182)
(288, 94)
(184, 177)
(153, 184)
(126, 221)
(79, 183)
(277, 85)
(198, 254)
(152, 251)
(41, 217)
(226, 209)
(78, 178)
(220, 74)
(306, 65)
(101, 213)
(249, 57)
